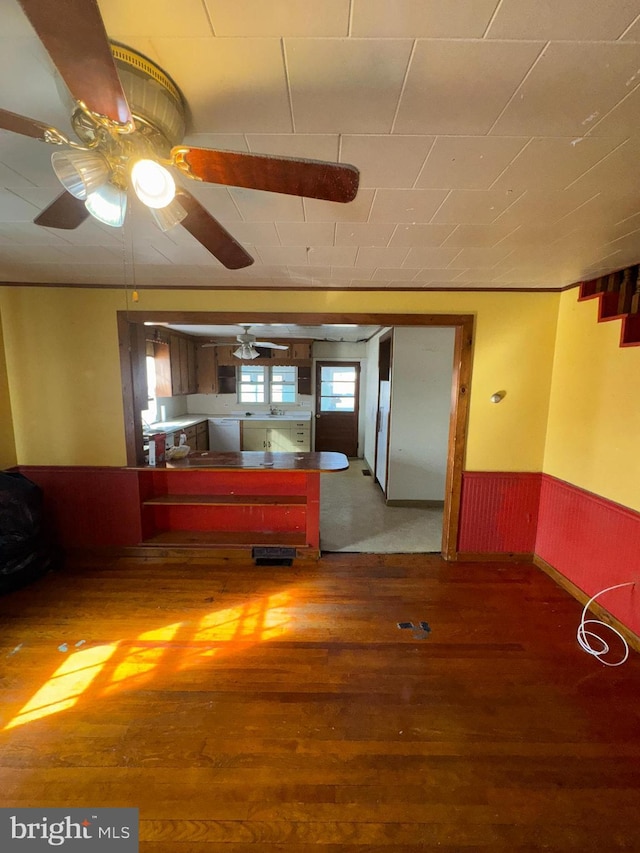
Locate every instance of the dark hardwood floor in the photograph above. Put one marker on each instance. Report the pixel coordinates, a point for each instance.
(276, 709)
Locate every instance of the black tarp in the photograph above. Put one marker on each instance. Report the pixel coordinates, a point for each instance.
(26, 550)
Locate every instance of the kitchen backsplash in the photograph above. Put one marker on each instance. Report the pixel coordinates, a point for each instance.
(226, 404)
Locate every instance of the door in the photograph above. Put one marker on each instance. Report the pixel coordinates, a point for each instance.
(337, 387)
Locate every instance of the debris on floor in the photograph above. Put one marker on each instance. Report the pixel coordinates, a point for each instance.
(421, 631)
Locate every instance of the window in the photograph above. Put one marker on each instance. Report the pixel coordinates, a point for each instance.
(338, 389)
(258, 384)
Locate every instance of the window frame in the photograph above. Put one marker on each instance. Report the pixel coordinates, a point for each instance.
(267, 384)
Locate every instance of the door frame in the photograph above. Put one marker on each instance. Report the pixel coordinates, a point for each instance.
(332, 362)
(460, 385)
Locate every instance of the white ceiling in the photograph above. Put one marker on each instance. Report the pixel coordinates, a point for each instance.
(271, 331)
(497, 142)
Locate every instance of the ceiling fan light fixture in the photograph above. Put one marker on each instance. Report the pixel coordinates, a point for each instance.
(169, 216)
(80, 172)
(246, 351)
(152, 183)
(108, 205)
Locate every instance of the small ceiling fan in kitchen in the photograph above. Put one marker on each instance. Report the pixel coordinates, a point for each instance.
(248, 343)
(130, 118)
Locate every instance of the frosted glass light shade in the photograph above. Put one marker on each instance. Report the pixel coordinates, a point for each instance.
(246, 351)
(108, 204)
(152, 183)
(80, 172)
(169, 216)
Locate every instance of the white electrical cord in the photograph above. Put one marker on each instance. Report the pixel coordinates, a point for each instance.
(583, 633)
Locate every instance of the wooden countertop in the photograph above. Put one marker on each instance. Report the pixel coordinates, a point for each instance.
(255, 460)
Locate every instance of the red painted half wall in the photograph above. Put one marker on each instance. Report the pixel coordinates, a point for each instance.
(498, 512)
(90, 507)
(593, 542)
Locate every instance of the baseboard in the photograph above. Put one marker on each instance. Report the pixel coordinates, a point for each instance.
(496, 557)
(417, 504)
(575, 592)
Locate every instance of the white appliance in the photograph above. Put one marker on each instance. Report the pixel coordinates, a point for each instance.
(224, 434)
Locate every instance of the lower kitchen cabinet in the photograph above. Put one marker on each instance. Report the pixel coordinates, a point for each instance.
(264, 435)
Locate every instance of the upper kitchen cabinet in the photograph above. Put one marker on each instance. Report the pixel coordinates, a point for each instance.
(175, 362)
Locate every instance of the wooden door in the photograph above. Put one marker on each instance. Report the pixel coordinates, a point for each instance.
(337, 390)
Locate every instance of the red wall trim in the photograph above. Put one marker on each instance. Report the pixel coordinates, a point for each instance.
(90, 507)
(593, 542)
(498, 512)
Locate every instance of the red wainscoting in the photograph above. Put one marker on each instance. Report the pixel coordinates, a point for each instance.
(499, 512)
(593, 542)
(90, 507)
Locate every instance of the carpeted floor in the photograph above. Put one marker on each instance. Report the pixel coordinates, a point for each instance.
(354, 517)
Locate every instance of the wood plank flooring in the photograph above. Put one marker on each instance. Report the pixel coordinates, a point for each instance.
(281, 709)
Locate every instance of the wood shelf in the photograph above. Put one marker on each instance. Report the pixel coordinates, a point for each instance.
(226, 538)
(226, 500)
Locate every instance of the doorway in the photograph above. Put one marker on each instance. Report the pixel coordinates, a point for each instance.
(337, 392)
(130, 332)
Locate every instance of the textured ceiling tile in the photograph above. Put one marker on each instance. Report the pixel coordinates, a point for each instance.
(570, 87)
(310, 146)
(617, 173)
(155, 18)
(421, 235)
(373, 257)
(332, 81)
(574, 20)
(410, 206)
(543, 208)
(553, 163)
(478, 236)
(468, 162)
(430, 258)
(305, 233)
(231, 85)
(392, 273)
(422, 19)
(623, 120)
(333, 256)
(386, 161)
(474, 206)
(479, 258)
(284, 255)
(347, 273)
(332, 211)
(15, 209)
(441, 275)
(254, 233)
(258, 206)
(363, 233)
(279, 17)
(218, 141)
(458, 87)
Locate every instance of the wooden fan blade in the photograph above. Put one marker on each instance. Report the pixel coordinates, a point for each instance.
(308, 178)
(66, 212)
(23, 125)
(73, 33)
(208, 231)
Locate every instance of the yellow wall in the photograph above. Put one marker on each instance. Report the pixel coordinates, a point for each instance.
(594, 413)
(64, 375)
(7, 443)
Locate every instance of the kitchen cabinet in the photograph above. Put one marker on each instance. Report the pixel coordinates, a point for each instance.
(202, 436)
(206, 370)
(301, 351)
(277, 437)
(176, 367)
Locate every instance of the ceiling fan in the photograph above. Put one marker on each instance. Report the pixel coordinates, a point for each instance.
(248, 343)
(130, 118)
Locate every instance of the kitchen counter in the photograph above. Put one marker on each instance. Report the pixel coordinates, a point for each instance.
(184, 421)
(244, 460)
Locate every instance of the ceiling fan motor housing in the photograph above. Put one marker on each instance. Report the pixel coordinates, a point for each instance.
(156, 103)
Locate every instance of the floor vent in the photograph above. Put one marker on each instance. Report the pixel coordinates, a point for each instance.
(366, 472)
(273, 556)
